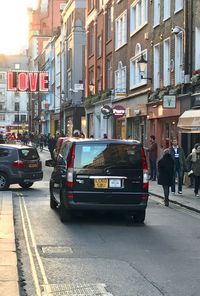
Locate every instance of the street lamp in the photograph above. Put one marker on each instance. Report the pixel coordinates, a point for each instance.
(142, 67)
(61, 119)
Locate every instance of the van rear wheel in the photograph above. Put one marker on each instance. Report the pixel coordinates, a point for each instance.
(4, 181)
(139, 216)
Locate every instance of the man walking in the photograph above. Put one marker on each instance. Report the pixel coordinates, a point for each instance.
(153, 154)
(178, 156)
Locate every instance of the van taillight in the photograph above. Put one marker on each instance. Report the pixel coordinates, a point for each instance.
(70, 167)
(145, 170)
(18, 164)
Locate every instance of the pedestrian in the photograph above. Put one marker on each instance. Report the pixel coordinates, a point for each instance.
(165, 174)
(193, 163)
(105, 136)
(51, 146)
(180, 167)
(153, 154)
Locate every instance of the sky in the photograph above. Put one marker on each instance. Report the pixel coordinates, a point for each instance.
(14, 25)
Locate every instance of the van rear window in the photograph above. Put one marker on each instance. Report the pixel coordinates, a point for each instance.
(28, 154)
(97, 155)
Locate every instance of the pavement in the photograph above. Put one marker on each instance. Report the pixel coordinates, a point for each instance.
(9, 277)
(9, 284)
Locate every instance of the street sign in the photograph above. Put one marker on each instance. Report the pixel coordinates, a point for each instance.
(106, 110)
(78, 86)
(169, 102)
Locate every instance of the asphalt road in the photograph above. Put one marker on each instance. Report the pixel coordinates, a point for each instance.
(103, 255)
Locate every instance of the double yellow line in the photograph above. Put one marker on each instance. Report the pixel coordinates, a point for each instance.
(30, 241)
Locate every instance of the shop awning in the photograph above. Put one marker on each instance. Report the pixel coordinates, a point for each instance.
(189, 121)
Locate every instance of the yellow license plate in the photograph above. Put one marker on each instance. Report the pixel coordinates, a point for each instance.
(100, 183)
(33, 165)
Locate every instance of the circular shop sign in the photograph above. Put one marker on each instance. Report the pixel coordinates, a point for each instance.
(118, 111)
(106, 110)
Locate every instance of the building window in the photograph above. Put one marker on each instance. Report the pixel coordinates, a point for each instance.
(69, 81)
(109, 24)
(108, 73)
(135, 75)
(23, 118)
(178, 5)
(91, 82)
(17, 66)
(2, 77)
(197, 48)
(99, 46)
(16, 106)
(2, 117)
(91, 40)
(167, 9)
(179, 58)
(100, 4)
(99, 76)
(138, 15)
(69, 54)
(2, 92)
(166, 62)
(120, 79)
(17, 118)
(156, 12)
(90, 4)
(121, 30)
(1, 107)
(156, 66)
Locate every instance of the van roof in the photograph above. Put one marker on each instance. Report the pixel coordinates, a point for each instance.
(89, 140)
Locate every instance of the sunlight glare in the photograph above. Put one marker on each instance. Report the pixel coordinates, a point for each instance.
(14, 25)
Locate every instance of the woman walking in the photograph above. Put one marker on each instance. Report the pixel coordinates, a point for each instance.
(193, 162)
(165, 174)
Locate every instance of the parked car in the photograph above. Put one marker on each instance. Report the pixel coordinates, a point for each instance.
(104, 174)
(19, 165)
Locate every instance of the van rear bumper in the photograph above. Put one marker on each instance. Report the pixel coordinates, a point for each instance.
(111, 201)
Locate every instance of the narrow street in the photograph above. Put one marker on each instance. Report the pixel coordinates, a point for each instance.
(103, 255)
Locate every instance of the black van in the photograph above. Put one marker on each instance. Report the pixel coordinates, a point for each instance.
(103, 174)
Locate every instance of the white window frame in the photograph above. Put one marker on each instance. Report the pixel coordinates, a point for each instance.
(178, 5)
(120, 78)
(197, 48)
(138, 24)
(121, 30)
(179, 58)
(135, 75)
(166, 62)
(156, 66)
(166, 9)
(156, 9)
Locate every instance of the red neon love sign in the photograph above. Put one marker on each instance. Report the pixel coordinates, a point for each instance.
(28, 81)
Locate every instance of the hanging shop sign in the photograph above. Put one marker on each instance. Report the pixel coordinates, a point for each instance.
(118, 111)
(24, 81)
(106, 110)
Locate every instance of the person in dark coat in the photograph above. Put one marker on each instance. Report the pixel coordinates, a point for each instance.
(165, 174)
(51, 146)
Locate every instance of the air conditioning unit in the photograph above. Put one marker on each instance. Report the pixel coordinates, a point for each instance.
(146, 36)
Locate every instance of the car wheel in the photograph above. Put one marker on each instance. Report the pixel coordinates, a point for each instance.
(65, 214)
(4, 181)
(139, 216)
(26, 185)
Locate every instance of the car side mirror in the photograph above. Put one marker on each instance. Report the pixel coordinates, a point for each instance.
(50, 163)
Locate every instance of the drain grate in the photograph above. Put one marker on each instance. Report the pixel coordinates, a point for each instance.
(49, 250)
(75, 290)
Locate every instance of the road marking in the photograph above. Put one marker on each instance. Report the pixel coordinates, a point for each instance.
(33, 269)
(41, 266)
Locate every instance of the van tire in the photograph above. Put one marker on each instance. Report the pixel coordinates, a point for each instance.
(4, 181)
(53, 203)
(65, 214)
(139, 216)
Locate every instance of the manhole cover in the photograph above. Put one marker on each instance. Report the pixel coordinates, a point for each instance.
(48, 250)
(75, 290)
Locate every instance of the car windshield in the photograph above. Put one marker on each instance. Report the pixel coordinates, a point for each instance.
(97, 155)
(28, 154)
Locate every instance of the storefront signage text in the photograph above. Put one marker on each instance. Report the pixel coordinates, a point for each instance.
(28, 81)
